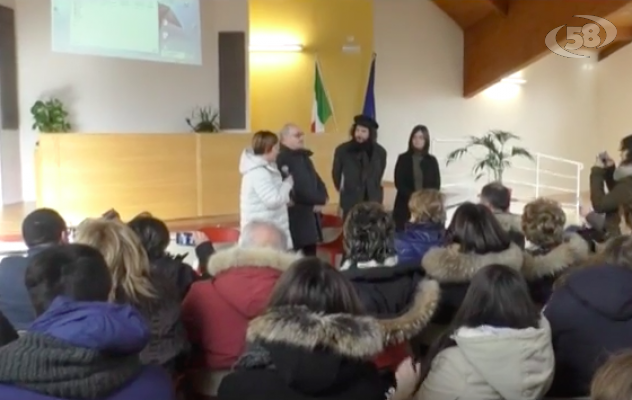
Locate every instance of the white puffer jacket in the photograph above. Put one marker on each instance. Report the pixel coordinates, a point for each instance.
(264, 194)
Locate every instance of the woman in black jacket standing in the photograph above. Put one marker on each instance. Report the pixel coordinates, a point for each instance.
(415, 169)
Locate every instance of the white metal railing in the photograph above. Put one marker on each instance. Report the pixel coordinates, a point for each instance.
(541, 175)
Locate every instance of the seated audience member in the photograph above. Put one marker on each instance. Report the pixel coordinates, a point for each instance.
(41, 229)
(216, 312)
(387, 289)
(497, 198)
(155, 237)
(591, 318)
(135, 283)
(475, 239)
(80, 346)
(552, 250)
(426, 228)
(312, 342)
(612, 380)
(498, 346)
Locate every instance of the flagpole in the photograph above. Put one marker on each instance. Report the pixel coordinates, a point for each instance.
(331, 103)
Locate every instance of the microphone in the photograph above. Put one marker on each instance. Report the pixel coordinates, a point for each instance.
(285, 170)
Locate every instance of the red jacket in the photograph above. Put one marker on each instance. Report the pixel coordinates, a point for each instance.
(216, 312)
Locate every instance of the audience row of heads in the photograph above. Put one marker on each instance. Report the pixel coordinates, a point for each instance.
(126, 249)
(369, 229)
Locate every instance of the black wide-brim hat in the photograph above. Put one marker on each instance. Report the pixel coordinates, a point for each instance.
(366, 121)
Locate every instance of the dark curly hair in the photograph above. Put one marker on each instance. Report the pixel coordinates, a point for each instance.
(369, 233)
(543, 222)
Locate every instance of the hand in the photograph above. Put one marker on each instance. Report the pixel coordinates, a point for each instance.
(584, 211)
(289, 180)
(608, 161)
(318, 209)
(599, 162)
(199, 238)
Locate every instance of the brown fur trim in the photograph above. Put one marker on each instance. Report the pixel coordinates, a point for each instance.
(450, 265)
(347, 335)
(240, 257)
(574, 251)
(416, 318)
(509, 222)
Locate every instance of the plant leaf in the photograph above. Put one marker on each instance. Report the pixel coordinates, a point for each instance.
(521, 152)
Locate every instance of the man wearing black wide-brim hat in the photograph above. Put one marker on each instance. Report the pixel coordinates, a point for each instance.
(359, 165)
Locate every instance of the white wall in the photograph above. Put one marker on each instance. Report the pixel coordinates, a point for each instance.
(420, 80)
(614, 99)
(115, 95)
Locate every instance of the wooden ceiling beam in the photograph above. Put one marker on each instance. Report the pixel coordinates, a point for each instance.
(498, 46)
(612, 48)
(501, 6)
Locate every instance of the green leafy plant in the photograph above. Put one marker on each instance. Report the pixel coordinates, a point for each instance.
(50, 116)
(204, 120)
(498, 153)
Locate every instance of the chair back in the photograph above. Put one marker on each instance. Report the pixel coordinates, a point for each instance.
(221, 234)
(331, 221)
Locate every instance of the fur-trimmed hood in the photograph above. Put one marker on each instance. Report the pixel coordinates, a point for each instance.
(360, 337)
(450, 265)
(240, 257)
(572, 252)
(346, 335)
(417, 316)
(509, 221)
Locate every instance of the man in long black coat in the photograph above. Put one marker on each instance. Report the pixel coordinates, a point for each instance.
(309, 193)
(359, 165)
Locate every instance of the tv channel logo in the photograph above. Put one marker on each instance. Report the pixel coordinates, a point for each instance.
(582, 36)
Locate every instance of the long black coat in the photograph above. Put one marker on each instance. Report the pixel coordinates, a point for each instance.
(309, 191)
(357, 176)
(405, 183)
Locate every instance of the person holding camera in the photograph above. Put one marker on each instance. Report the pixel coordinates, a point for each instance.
(618, 180)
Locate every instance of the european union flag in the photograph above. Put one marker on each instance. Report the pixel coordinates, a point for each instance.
(369, 96)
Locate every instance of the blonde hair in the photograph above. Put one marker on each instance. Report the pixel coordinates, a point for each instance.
(427, 205)
(124, 254)
(612, 380)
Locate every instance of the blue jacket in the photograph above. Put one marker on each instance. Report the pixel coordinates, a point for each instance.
(416, 240)
(65, 347)
(591, 318)
(15, 302)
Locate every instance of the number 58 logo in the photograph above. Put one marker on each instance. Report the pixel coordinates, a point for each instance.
(581, 36)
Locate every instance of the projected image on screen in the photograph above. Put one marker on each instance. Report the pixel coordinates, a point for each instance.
(155, 30)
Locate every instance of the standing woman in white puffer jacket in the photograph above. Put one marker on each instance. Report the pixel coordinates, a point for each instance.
(265, 194)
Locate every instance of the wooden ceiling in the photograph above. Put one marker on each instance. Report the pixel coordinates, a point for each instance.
(501, 37)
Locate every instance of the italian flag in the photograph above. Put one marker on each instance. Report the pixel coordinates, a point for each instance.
(321, 108)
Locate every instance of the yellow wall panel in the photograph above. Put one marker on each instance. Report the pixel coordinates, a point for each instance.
(281, 84)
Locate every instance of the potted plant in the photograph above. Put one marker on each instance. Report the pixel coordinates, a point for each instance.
(204, 120)
(498, 153)
(50, 116)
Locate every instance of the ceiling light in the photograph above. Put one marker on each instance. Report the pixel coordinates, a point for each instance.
(273, 48)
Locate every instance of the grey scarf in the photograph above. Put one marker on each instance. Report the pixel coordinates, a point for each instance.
(46, 365)
(622, 171)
